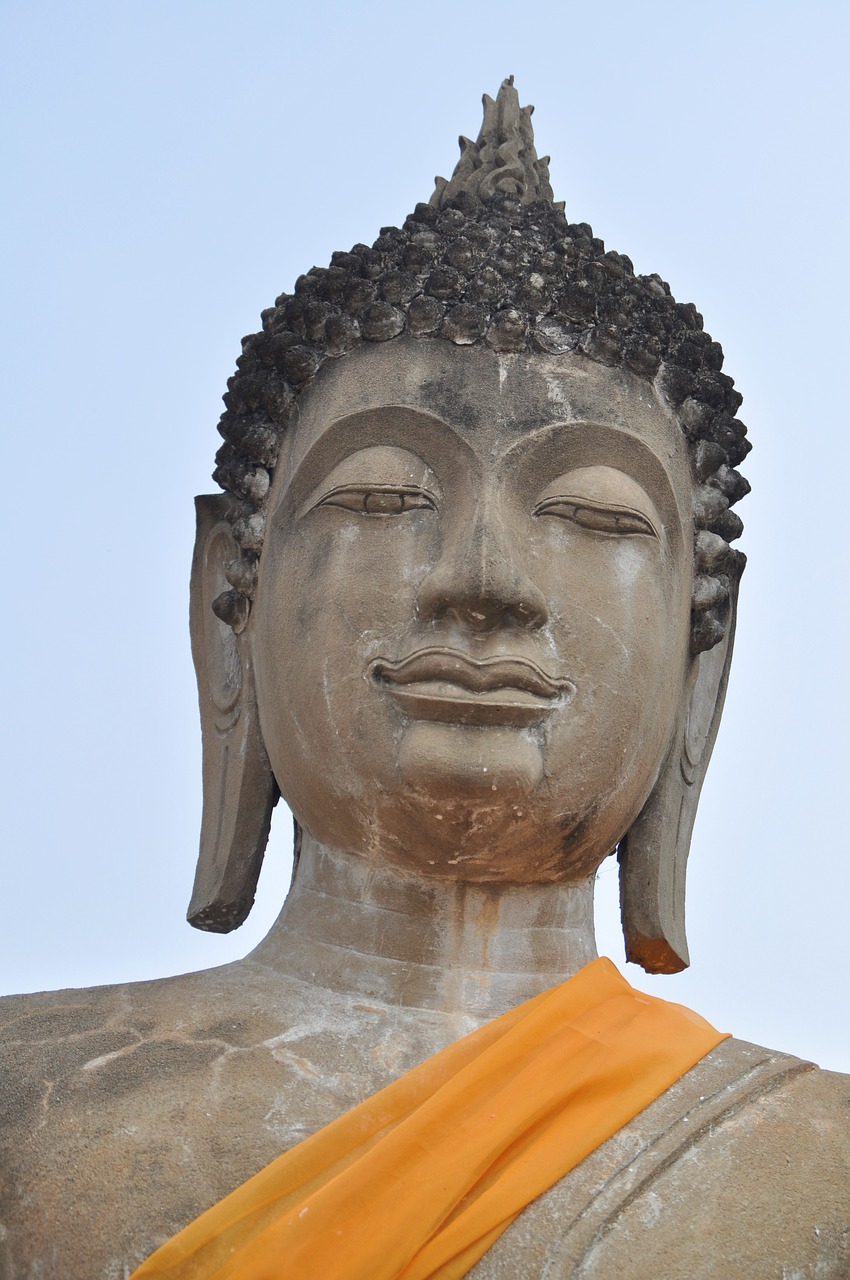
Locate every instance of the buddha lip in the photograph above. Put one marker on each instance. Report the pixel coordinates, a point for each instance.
(477, 675)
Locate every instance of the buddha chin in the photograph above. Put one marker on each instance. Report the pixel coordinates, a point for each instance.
(471, 786)
(484, 767)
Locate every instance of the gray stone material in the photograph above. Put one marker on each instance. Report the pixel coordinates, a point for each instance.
(491, 259)
(126, 1111)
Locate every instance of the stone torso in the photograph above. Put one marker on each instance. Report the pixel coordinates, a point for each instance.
(126, 1111)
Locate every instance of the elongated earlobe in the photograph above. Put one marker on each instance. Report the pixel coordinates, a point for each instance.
(653, 854)
(239, 788)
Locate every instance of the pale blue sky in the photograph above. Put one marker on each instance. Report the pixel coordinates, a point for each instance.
(170, 168)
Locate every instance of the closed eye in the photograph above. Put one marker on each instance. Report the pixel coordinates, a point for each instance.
(379, 499)
(602, 517)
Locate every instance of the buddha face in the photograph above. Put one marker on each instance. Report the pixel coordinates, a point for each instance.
(470, 636)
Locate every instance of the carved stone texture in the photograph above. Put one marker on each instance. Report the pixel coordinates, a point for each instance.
(492, 260)
(140, 1106)
(503, 159)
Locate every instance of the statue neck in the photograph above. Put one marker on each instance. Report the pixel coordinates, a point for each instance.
(403, 939)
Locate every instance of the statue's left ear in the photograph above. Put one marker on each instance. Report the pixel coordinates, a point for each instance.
(239, 787)
(653, 854)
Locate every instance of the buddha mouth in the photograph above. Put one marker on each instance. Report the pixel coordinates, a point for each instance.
(449, 686)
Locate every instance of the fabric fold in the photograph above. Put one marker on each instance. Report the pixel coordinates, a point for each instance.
(418, 1181)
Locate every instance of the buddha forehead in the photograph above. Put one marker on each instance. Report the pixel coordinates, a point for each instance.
(493, 402)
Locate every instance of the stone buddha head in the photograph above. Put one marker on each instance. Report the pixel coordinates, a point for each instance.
(468, 599)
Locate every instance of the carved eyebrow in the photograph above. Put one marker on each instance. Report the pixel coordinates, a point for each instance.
(378, 499)
(603, 517)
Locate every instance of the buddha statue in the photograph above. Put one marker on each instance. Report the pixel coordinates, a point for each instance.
(467, 602)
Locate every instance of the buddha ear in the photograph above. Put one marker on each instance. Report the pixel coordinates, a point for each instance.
(239, 787)
(653, 853)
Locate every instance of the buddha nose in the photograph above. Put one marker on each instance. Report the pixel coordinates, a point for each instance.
(480, 581)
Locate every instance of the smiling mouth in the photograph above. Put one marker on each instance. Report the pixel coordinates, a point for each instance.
(449, 686)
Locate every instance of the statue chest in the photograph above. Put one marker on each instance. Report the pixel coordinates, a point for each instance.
(128, 1112)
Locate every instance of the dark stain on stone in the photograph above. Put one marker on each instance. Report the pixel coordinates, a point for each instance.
(157, 1063)
(53, 1022)
(242, 1033)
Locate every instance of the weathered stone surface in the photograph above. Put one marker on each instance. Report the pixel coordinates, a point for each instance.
(135, 1108)
(491, 242)
(138, 1107)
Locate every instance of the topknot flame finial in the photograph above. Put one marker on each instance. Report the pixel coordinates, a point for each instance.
(502, 160)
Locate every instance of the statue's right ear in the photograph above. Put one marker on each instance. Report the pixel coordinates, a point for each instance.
(239, 787)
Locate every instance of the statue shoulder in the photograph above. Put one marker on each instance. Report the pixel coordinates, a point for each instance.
(57, 1045)
(138, 1099)
(154, 1100)
(740, 1168)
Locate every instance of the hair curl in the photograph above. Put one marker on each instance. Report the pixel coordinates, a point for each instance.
(518, 277)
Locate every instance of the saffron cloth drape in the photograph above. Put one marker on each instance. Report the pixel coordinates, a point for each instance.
(418, 1181)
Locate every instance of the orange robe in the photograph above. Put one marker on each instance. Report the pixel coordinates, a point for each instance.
(418, 1181)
